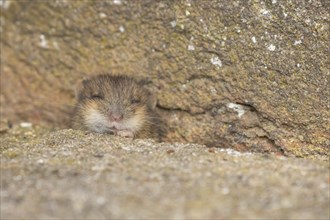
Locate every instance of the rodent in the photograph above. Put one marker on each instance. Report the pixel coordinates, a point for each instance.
(118, 105)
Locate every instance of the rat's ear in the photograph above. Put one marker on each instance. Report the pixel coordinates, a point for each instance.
(152, 102)
(147, 84)
(79, 87)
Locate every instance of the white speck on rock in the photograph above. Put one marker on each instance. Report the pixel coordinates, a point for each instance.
(254, 40)
(274, 1)
(175, 117)
(234, 152)
(271, 47)
(173, 23)
(43, 42)
(56, 46)
(225, 191)
(98, 167)
(216, 61)
(102, 15)
(40, 161)
(25, 124)
(264, 11)
(213, 91)
(121, 29)
(126, 148)
(237, 108)
(207, 173)
(298, 65)
(100, 200)
(4, 4)
(187, 13)
(117, 2)
(191, 47)
(296, 42)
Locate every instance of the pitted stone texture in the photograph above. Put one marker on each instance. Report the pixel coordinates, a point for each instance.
(70, 174)
(252, 75)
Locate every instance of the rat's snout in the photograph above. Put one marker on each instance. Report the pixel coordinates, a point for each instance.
(116, 114)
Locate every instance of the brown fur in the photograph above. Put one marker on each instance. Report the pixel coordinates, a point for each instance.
(100, 96)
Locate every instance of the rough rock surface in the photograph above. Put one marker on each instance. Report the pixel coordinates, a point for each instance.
(70, 174)
(251, 75)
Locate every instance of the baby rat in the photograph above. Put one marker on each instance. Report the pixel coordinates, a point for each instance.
(116, 105)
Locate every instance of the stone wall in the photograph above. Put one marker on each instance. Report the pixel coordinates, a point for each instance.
(250, 75)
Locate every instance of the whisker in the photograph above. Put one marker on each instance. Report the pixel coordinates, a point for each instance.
(151, 123)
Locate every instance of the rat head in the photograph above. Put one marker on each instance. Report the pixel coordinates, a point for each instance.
(112, 104)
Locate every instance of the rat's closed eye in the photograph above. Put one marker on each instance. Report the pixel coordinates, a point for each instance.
(97, 96)
(135, 100)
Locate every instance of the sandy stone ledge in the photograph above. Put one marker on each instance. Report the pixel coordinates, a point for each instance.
(70, 174)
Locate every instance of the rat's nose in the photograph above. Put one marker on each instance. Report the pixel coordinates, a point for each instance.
(116, 116)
